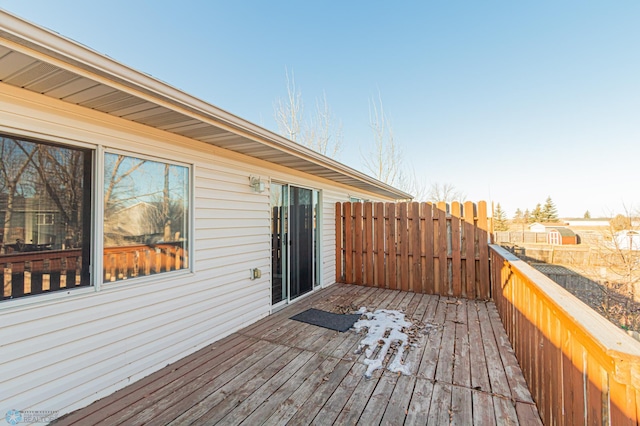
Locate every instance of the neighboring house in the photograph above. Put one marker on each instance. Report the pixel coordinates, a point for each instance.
(249, 213)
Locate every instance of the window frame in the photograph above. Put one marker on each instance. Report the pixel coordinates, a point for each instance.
(53, 140)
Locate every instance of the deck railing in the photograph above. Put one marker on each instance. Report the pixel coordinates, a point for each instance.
(40, 271)
(125, 262)
(47, 270)
(419, 247)
(581, 369)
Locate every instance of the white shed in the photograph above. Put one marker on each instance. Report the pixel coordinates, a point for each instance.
(627, 240)
(237, 221)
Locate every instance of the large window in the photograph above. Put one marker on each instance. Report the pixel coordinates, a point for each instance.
(47, 220)
(145, 217)
(45, 198)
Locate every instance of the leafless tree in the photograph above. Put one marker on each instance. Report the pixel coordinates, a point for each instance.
(12, 167)
(445, 192)
(615, 262)
(116, 192)
(415, 186)
(322, 132)
(290, 111)
(384, 159)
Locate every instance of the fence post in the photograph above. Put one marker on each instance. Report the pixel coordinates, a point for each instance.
(63, 272)
(339, 242)
(78, 267)
(46, 274)
(27, 277)
(8, 285)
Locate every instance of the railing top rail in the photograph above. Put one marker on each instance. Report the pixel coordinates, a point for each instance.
(17, 257)
(611, 339)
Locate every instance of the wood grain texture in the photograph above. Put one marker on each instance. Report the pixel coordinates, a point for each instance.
(281, 371)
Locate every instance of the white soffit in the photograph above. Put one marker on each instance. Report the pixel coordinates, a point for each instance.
(41, 61)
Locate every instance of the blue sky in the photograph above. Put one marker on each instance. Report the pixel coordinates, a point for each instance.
(510, 101)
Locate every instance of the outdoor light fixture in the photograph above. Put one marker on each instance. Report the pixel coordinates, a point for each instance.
(256, 184)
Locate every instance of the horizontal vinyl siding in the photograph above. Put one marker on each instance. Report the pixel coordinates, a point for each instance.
(64, 353)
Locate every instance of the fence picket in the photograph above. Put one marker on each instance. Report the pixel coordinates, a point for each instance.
(348, 243)
(456, 264)
(470, 251)
(483, 249)
(368, 243)
(415, 248)
(427, 237)
(357, 264)
(379, 232)
(403, 237)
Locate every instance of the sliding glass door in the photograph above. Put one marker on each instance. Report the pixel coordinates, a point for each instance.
(294, 241)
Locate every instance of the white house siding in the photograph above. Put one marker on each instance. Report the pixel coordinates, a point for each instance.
(63, 350)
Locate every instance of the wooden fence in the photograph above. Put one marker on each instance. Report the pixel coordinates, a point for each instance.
(419, 247)
(580, 368)
(48, 270)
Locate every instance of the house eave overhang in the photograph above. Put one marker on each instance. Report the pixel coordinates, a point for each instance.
(39, 60)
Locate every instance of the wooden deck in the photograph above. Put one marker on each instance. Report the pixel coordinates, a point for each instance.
(279, 371)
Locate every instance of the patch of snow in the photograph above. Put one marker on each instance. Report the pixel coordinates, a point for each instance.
(384, 327)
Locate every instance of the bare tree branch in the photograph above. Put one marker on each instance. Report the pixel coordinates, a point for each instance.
(322, 132)
(384, 160)
(289, 112)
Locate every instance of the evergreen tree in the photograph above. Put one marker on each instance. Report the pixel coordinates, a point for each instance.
(536, 214)
(587, 215)
(500, 219)
(549, 211)
(518, 216)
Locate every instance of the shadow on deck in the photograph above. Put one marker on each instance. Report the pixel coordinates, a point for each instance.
(281, 371)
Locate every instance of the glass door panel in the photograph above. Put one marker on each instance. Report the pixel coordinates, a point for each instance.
(301, 241)
(278, 243)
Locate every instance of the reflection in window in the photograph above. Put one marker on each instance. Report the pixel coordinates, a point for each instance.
(145, 217)
(45, 215)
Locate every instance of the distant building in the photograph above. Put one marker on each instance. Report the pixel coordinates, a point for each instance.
(627, 240)
(588, 222)
(556, 233)
(561, 236)
(545, 226)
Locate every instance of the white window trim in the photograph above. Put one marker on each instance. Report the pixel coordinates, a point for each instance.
(99, 270)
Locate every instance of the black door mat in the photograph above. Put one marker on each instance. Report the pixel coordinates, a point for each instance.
(338, 322)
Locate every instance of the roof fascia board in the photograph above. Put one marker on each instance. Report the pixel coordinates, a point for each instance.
(69, 52)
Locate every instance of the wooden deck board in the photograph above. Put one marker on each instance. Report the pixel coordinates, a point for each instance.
(281, 371)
